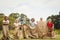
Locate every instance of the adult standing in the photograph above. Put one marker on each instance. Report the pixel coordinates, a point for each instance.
(5, 27)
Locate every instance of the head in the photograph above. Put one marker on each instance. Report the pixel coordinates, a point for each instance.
(16, 21)
(49, 20)
(41, 19)
(33, 20)
(5, 18)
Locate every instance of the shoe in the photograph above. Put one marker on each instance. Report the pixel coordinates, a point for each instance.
(31, 37)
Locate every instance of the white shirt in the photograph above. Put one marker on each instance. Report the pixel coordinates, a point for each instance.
(16, 24)
(32, 25)
(5, 22)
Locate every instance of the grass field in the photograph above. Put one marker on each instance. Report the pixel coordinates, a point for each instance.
(21, 37)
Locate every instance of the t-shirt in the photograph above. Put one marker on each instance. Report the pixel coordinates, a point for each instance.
(23, 22)
(16, 24)
(6, 22)
(32, 24)
(49, 24)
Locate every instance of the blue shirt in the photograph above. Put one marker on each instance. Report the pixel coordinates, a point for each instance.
(32, 24)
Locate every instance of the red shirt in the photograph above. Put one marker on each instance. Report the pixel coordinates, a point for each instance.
(49, 24)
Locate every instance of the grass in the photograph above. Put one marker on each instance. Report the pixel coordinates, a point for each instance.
(21, 37)
(57, 31)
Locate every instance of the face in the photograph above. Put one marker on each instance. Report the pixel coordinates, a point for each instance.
(6, 18)
(41, 19)
(50, 20)
(33, 20)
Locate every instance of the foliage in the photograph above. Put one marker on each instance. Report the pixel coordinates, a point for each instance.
(23, 16)
(14, 15)
(12, 18)
(55, 20)
(1, 19)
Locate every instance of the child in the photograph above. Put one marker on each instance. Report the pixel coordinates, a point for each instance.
(50, 28)
(41, 28)
(24, 28)
(5, 28)
(32, 29)
(16, 29)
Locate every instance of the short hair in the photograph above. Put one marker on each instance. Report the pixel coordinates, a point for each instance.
(5, 17)
(32, 19)
(41, 18)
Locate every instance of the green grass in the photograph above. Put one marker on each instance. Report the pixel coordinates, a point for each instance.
(21, 37)
(57, 31)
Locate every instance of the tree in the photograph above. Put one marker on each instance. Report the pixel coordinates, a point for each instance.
(1, 19)
(55, 20)
(23, 16)
(14, 15)
(12, 18)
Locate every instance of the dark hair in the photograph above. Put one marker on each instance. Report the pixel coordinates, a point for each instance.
(41, 18)
(32, 19)
(5, 18)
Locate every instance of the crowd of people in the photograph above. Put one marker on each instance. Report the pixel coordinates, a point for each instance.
(40, 29)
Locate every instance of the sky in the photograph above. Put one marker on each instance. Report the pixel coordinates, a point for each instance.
(32, 8)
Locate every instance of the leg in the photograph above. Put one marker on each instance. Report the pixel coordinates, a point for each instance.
(24, 31)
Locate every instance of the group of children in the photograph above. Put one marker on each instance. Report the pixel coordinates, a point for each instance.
(39, 30)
